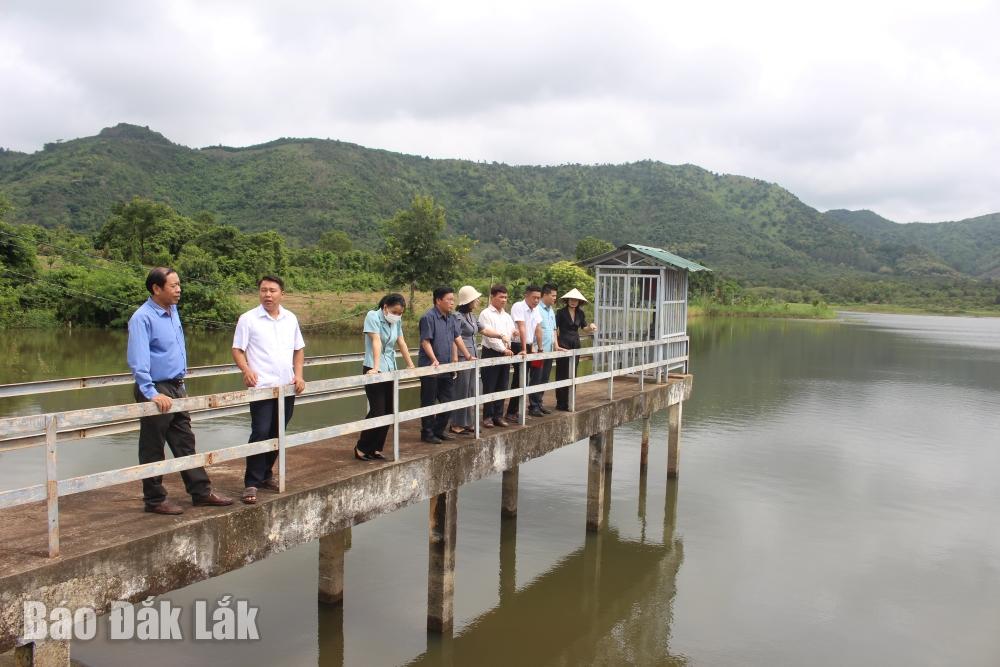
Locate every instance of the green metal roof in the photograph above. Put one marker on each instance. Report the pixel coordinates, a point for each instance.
(657, 254)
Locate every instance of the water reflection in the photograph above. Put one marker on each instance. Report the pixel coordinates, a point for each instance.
(608, 602)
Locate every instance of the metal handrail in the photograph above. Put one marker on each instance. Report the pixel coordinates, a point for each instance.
(33, 387)
(45, 428)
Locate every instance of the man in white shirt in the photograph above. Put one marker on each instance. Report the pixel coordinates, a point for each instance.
(527, 323)
(269, 349)
(496, 378)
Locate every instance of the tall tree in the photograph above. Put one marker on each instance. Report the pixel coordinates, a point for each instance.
(416, 251)
(591, 246)
(17, 255)
(335, 240)
(146, 232)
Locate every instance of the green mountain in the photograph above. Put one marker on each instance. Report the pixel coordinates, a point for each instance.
(968, 246)
(302, 187)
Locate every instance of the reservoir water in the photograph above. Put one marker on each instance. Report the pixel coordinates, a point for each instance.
(837, 505)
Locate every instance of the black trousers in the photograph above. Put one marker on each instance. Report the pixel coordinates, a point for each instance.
(495, 378)
(175, 430)
(538, 376)
(562, 373)
(435, 389)
(514, 404)
(264, 426)
(379, 404)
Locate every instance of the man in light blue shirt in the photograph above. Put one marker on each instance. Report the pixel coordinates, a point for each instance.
(158, 359)
(549, 344)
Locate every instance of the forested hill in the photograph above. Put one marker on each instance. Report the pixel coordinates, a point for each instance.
(303, 187)
(970, 246)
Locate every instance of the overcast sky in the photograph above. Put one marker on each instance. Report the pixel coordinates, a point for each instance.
(891, 106)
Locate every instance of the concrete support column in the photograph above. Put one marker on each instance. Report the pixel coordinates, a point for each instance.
(644, 445)
(673, 438)
(42, 654)
(609, 448)
(441, 562)
(331, 568)
(595, 480)
(508, 499)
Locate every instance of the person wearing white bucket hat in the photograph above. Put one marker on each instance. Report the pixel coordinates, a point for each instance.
(570, 321)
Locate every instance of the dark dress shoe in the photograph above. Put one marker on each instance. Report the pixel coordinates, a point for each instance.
(536, 413)
(487, 423)
(499, 421)
(431, 439)
(545, 411)
(562, 408)
(269, 484)
(166, 507)
(212, 500)
(444, 436)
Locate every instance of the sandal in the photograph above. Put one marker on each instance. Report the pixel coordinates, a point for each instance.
(377, 455)
(361, 456)
(250, 495)
(457, 431)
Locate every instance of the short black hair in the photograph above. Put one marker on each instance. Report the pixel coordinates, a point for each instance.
(549, 287)
(392, 299)
(272, 279)
(442, 292)
(158, 276)
(499, 288)
(466, 307)
(531, 288)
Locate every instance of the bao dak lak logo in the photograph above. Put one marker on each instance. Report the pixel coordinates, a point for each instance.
(226, 620)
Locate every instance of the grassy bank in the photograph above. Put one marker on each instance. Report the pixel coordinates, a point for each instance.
(338, 312)
(789, 310)
(344, 312)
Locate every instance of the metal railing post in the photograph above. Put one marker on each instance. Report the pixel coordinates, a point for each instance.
(52, 485)
(611, 378)
(395, 417)
(642, 373)
(523, 416)
(572, 376)
(475, 410)
(281, 438)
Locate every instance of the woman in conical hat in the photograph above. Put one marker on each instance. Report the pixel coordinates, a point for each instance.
(570, 321)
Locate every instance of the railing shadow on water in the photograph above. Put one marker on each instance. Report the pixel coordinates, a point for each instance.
(50, 429)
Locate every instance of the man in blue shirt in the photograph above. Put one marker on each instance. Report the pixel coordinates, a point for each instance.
(548, 344)
(158, 359)
(440, 343)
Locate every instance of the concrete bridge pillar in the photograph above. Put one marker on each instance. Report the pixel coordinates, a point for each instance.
(609, 448)
(441, 563)
(508, 499)
(331, 568)
(42, 654)
(673, 439)
(596, 471)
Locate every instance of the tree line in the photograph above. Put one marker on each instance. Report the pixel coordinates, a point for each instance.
(55, 277)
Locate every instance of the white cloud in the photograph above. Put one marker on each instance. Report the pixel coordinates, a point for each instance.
(887, 105)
